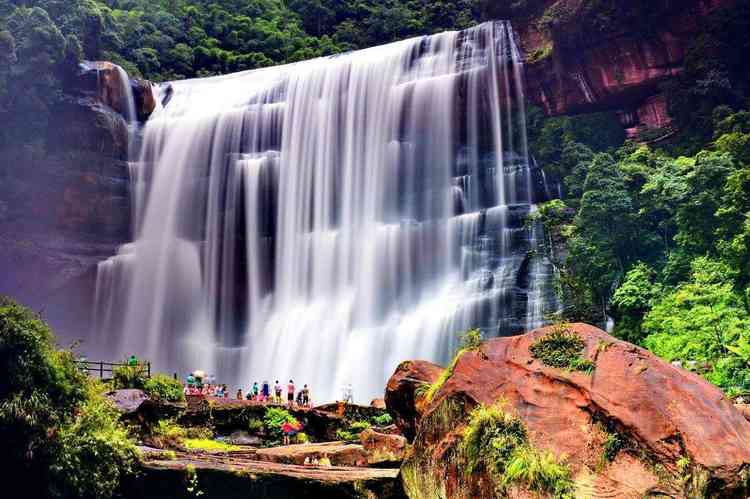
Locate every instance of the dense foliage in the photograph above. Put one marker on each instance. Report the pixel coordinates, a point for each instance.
(42, 40)
(62, 438)
(659, 242)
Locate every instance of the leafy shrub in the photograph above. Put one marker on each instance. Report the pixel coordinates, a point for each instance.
(166, 434)
(497, 441)
(96, 451)
(586, 366)
(254, 425)
(383, 420)
(613, 444)
(471, 339)
(562, 349)
(352, 431)
(124, 377)
(200, 432)
(274, 418)
(62, 438)
(163, 387)
(490, 438)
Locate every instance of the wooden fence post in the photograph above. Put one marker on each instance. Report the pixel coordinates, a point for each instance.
(101, 370)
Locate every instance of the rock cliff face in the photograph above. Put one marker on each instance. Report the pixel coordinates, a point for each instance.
(613, 55)
(65, 205)
(677, 434)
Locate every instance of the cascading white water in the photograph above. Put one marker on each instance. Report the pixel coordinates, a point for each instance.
(325, 220)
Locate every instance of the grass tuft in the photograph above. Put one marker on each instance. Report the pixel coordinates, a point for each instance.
(497, 442)
(431, 390)
(539, 472)
(563, 349)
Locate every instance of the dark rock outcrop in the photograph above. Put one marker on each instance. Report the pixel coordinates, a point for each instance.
(65, 203)
(401, 397)
(110, 86)
(683, 437)
(127, 401)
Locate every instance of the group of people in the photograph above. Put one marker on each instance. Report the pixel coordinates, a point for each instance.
(262, 393)
(199, 383)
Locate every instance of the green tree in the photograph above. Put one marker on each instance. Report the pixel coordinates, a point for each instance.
(63, 438)
(633, 300)
(702, 320)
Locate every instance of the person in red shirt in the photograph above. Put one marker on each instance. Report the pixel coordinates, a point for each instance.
(289, 430)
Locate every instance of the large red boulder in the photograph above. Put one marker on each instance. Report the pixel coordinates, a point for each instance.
(401, 394)
(684, 437)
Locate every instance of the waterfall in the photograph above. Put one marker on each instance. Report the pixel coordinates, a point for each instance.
(325, 220)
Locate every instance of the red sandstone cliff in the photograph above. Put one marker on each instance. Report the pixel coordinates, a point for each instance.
(586, 55)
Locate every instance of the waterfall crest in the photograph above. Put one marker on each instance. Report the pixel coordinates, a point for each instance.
(327, 219)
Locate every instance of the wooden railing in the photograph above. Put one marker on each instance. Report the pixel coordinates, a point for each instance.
(104, 369)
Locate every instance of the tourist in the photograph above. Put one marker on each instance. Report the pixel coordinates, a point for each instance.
(290, 393)
(239, 393)
(306, 396)
(266, 391)
(225, 390)
(289, 430)
(255, 390)
(349, 394)
(219, 392)
(133, 361)
(299, 398)
(277, 391)
(190, 380)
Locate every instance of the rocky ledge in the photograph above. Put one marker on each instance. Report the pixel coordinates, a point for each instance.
(218, 477)
(626, 425)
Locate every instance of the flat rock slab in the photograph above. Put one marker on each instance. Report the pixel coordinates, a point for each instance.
(220, 477)
(339, 453)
